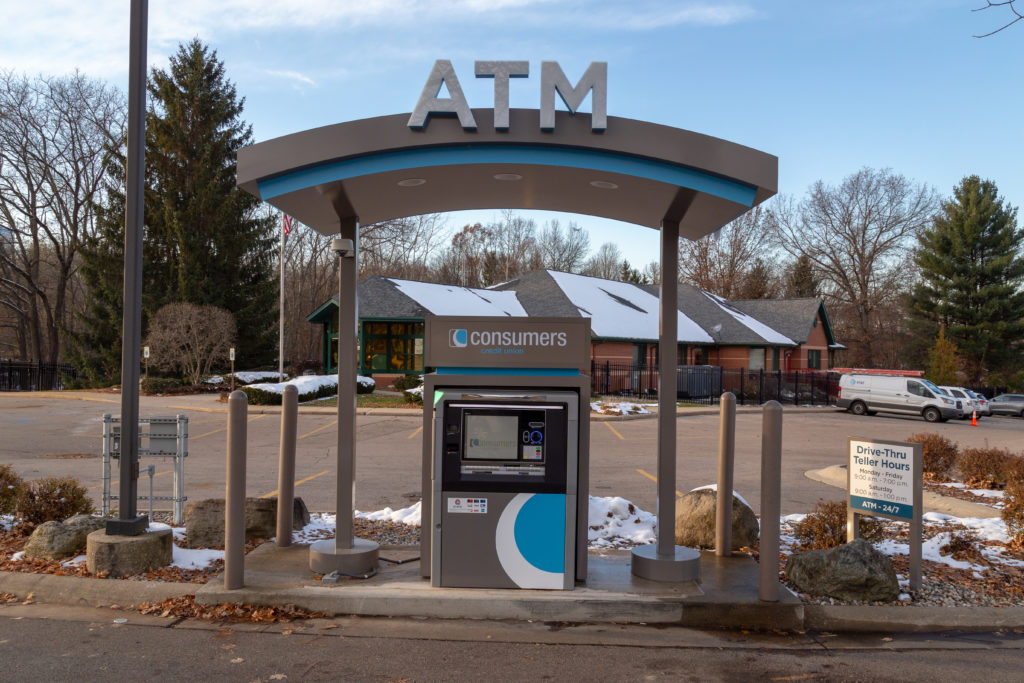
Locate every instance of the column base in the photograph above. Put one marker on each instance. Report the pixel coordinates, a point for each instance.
(358, 560)
(682, 565)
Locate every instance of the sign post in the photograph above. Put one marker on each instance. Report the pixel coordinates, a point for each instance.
(231, 357)
(883, 479)
(145, 354)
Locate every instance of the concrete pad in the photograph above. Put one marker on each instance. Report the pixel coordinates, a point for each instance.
(612, 594)
(835, 475)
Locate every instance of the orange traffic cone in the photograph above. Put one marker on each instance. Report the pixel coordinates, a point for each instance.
(974, 418)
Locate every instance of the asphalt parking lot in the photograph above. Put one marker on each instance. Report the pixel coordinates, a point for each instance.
(57, 435)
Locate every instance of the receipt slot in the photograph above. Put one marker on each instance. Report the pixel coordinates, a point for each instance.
(507, 452)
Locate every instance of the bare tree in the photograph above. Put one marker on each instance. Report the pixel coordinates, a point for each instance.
(721, 262)
(1009, 4)
(513, 242)
(605, 263)
(55, 134)
(189, 338)
(463, 261)
(858, 237)
(311, 278)
(564, 251)
(402, 247)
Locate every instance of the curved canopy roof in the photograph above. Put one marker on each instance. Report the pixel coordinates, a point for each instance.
(378, 169)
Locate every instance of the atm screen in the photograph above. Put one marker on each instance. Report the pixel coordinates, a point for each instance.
(491, 437)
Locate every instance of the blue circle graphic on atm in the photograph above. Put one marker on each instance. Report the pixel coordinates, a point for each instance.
(530, 540)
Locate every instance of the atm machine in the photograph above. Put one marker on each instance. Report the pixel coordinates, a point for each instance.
(506, 435)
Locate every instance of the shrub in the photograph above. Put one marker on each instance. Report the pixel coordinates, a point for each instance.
(157, 385)
(938, 455)
(262, 397)
(825, 527)
(1013, 510)
(304, 366)
(53, 498)
(408, 382)
(11, 488)
(986, 467)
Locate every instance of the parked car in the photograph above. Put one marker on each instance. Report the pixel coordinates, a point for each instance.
(1007, 404)
(970, 403)
(868, 394)
(983, 406)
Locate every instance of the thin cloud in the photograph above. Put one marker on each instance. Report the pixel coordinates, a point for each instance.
(292, 76)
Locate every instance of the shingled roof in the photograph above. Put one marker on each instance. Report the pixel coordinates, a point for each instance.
(792, 317)
(618, 310)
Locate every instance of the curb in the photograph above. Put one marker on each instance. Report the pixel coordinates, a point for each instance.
(81, 591)
(89, 592)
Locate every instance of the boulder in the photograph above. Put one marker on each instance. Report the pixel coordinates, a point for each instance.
(695, 521)
(56, 540)
(204, 520)
(855, 571)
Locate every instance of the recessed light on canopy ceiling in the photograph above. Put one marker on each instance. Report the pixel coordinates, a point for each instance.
(603, 185)
(507, 176)
(411, 182)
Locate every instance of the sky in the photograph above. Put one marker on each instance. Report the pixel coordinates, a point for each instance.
(827, 87)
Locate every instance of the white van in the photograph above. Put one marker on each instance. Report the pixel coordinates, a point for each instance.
(868, 394)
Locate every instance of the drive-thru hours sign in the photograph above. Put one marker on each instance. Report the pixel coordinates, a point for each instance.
(882, 477)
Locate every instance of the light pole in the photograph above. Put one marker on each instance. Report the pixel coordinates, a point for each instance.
(128, 522)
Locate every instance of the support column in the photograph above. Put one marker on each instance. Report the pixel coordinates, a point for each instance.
(666, 561)
(346, 554)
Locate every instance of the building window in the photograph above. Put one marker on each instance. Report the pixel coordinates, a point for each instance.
(814, 359)
(775, 358)
(756, 359)
(700, 355)
(392, 347)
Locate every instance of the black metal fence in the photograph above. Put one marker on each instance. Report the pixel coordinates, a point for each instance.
(706, 383)
(23, 375)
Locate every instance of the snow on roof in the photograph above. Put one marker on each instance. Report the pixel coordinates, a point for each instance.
(620, 310)
(453, 300)
(768, 334)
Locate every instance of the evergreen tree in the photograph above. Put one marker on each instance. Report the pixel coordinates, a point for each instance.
(94, 349)
(628, 273)
(206, 241)
(972, 273)
(217, 246)
(943, 364)
(801, 280)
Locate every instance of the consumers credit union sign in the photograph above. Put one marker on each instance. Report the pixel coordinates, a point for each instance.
(480, 342)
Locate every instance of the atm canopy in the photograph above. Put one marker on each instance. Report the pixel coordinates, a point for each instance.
(378, 169)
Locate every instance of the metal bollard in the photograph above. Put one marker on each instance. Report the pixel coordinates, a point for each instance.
(726, 456)
(234, 513)
(286, 465)
(771, 496)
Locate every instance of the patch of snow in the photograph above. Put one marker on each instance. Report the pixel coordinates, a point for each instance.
(214, 379)
(409, 515)
(714, 487)
(621, 309)
(16, 557)
(615, 522)
(620, 408)
(415, 391)
(255, 375)
(308, 384)
(454, 300)
(753, 324)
